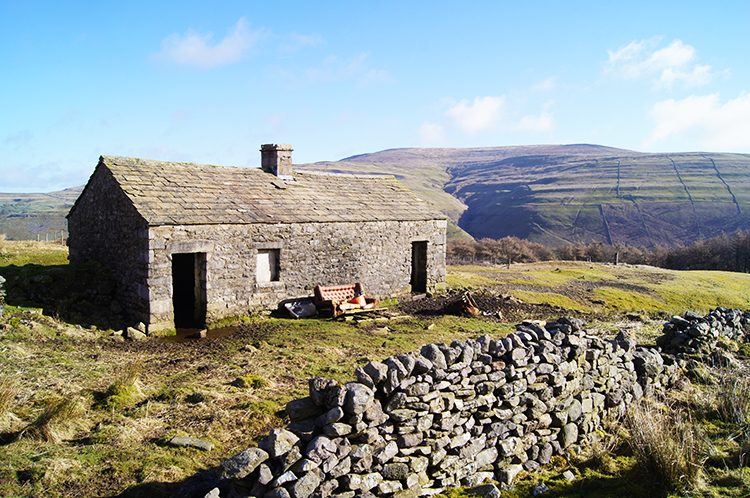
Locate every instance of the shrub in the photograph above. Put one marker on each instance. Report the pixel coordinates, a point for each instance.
(667, 446)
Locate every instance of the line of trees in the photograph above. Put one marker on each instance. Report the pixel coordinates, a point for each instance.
(723, 252)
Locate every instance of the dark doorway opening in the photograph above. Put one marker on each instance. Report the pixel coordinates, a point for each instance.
(189, 290)
(419, 266)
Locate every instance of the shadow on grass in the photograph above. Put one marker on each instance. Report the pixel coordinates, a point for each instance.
(631, 483)
(196, 486)
(76, 294)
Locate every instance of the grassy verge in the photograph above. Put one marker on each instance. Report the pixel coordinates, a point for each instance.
(128, 399)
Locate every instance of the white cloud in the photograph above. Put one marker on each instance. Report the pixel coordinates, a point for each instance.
(704, 119)
(484, 113)
(666, 67)
(194, 49)
(431, 134)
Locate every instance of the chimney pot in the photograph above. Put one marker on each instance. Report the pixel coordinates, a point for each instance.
(277, 160)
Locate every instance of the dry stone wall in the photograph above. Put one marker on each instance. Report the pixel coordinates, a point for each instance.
(448, 415)
(698, 334)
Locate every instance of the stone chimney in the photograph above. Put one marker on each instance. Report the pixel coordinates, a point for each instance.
(277, 160)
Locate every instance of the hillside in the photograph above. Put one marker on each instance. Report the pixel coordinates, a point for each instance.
(551, 194)
(554, 194)
(28, 216)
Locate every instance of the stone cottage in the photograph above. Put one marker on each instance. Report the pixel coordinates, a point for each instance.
(190, 244)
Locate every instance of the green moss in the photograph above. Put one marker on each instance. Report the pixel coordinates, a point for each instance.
(124, 391)
(251, 381)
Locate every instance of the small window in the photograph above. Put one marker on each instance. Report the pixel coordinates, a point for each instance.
(267, 267)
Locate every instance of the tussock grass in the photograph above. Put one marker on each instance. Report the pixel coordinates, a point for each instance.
(667, 445)
(251, 381)
(57, 418)
(125, 389)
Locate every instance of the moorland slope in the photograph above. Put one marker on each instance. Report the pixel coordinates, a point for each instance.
(553, 194)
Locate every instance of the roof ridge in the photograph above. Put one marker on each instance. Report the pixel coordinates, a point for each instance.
(346, 175)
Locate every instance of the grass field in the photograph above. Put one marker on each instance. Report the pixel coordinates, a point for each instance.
(84, 414)
(623, 288)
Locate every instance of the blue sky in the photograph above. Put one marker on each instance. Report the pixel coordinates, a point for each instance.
(210, 82)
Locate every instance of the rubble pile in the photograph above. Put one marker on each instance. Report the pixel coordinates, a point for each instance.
(448, 415)
(696, 334)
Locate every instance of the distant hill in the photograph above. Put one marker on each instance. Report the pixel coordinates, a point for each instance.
(554, 194)
(551, 194)
(32, 216)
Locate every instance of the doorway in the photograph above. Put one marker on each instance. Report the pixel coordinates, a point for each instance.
(189, 290)
(419, 267)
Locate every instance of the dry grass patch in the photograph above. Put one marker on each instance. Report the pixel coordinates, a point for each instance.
(732, 392)
(59, 417)
(668, 446)
(7, 395)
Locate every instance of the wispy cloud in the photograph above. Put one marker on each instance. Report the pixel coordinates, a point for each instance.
(21, 137)
(43, 177)
(482, 114)
(545, 85)
(431, 134)
(536, 122)
(195, 49)
(665, 67)
(181, 115)
(704, 120)
(335, 69)
(296, 42)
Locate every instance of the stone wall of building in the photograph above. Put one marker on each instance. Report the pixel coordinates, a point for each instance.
(378, 254)
(104, 226)
(2, 295)
(447, 415)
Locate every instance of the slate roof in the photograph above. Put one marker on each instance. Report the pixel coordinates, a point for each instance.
(173, 193)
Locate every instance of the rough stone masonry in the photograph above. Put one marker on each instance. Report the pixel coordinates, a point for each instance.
(447, 415)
